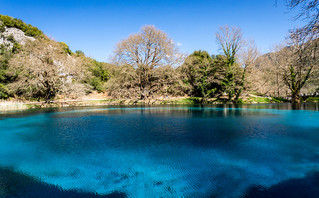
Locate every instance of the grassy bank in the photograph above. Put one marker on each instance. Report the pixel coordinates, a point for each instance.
(313, 99)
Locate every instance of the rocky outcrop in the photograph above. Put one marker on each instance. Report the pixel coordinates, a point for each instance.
(16, 35)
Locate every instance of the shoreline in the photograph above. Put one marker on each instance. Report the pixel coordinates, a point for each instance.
(9, 106)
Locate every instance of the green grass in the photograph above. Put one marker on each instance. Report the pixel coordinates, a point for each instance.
(313, 99)
(263, 100)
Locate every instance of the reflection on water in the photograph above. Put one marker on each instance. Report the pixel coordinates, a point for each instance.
(162, 151)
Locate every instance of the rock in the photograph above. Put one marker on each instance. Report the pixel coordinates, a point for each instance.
(17, 34)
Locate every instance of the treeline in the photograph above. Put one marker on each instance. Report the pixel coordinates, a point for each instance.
(148, 65)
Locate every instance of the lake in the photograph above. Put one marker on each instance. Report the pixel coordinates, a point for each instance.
(267, 150)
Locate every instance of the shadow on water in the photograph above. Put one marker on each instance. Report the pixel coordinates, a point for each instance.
(16, 185)
(307, 187)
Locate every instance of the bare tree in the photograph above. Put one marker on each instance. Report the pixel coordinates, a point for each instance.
(248, 56)
(145, 51)
(300, 61)
(124, 83)
(43, 69)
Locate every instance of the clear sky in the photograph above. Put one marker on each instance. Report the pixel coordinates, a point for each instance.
(95, 26)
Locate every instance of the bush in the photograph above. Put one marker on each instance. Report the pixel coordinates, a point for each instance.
(240, 101)
(3, 92)
(100, 75)
(65, 48)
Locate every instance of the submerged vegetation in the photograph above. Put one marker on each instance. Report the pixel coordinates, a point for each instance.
(148, 66)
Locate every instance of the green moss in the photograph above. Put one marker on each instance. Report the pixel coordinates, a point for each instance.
(262, 100)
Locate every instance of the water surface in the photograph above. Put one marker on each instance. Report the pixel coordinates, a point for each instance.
(164, 151)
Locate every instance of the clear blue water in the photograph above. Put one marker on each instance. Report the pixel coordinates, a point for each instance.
(166, 151)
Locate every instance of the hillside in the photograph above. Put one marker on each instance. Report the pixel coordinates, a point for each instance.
(34, 67)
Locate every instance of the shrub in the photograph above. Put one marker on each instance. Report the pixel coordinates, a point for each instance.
(3, 92)
(100, 75)
(65, 48)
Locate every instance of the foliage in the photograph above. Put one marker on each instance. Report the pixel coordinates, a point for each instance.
(230, 41)
(203, 74)
(313, 99)
(100, 75)
(149, 66)
(65, 48)
(28, 29)
(4, 92)
(79, 53)
(5, 77)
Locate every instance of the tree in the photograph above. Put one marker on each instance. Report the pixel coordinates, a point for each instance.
(300, 61)
(99, 74)
(145, 51)
(5, 55)
(266, 76)
(248, 56)
(230, 41)
(167, 81)
(124, 82)
(200, 73)
(42, 68)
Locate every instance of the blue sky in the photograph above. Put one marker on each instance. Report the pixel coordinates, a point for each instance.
(95, 26)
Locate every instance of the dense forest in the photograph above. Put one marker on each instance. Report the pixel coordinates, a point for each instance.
(148, 65)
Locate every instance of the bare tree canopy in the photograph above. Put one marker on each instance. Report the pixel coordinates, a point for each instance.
(300, 61)
(247, 56)
(229, 40)
(150, 47)
(43, 69)
(309, 11)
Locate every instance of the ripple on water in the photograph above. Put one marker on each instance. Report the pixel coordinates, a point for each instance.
(163, 152)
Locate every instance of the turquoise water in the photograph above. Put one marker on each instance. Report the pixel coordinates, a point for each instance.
(165, 151)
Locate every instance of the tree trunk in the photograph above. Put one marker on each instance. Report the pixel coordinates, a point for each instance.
(295, 97)
(230, 97)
